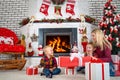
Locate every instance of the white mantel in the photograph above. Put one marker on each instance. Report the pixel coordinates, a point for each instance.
(29, 30)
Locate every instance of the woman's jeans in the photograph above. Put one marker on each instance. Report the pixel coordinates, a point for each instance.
(112, 69)
(54, 72)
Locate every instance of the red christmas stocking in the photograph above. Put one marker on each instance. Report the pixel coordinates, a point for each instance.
(70, 8)
(44, 9)
(57, 10)
(84, 46)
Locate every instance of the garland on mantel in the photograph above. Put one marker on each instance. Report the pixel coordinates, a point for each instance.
(69, 19)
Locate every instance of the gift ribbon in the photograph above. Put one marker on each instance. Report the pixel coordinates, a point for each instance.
(32, 71)
(72, 68)
(96, 61)
(119, 66)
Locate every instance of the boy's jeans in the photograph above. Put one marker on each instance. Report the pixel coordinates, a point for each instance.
(112, 69)
(54, 72)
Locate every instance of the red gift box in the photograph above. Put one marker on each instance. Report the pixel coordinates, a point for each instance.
(31, 71)
(85, 59)
(64, 61)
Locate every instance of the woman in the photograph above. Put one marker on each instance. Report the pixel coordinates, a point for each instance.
(103, 48)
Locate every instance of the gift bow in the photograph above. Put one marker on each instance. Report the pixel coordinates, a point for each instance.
(96, 61)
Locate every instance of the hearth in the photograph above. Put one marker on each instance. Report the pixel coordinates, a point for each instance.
(61, 39)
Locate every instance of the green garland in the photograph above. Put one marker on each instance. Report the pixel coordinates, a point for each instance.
(87, 19)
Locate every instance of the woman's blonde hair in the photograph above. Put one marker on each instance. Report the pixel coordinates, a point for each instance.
(100, 39)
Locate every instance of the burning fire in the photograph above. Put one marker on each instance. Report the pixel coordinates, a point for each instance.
(58, 45)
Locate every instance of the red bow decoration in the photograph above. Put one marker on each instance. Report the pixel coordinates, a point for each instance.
(96, 60)
(108, 12)
(81, 31)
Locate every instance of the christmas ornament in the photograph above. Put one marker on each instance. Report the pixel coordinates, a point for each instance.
(84, 42)
(111, 29)
(23, 41)
(81, 30)
(40, 50)
(82, 18)
(57, 10)
(34, 37)
(75, 48)
(30, 51)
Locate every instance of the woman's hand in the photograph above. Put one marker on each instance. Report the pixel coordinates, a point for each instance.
(94, 58)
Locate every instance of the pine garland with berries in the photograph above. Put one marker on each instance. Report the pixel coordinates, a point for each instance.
(110, 25)
(69, 19)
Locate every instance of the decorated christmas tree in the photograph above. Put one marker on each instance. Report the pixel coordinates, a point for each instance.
(110, 25)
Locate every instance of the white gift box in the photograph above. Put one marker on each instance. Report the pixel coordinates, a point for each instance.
(116, 60)
(97, 71)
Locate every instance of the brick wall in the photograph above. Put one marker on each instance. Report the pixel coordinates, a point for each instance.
(12, 12)
(96, 8)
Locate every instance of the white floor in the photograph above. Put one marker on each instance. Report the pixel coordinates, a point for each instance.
(21, 75)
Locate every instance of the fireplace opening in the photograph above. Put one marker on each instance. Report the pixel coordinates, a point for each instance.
(61, 39)
(60, 42)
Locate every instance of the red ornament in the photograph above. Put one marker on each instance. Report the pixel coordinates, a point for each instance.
(111, 29)
(115, 29)
(84, 44)
(40, 50)
(105, 25)
(81, 31)
(30, 51)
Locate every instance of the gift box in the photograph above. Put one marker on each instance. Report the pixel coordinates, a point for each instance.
(31, 71)
(70, 71)
(65, 61)
(116, 62)
(97, 71)
(85, 60)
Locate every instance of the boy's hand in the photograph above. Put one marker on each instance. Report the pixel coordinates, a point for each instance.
(38, 66)
(51, 69)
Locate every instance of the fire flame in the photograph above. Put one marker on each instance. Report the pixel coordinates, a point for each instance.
(58, 45)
